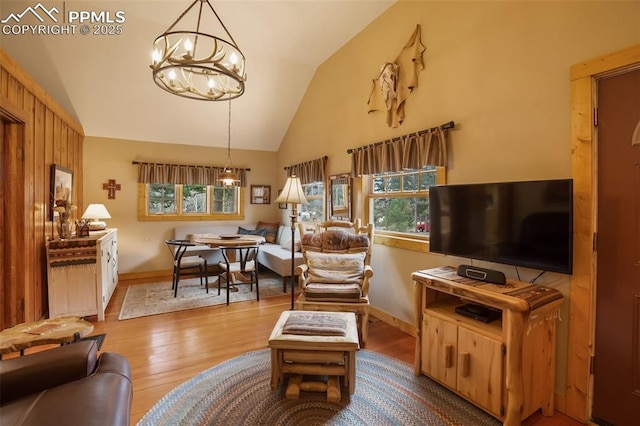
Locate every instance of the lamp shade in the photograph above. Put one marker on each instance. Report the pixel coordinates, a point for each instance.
(96, 211)
(292, 192)
(228, 177)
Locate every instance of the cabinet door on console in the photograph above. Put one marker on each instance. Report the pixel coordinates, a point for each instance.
(480, 367)
(439, 349)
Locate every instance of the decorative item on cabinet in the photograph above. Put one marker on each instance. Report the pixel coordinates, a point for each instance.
(65, 227)
(64, 208)
(82, 228)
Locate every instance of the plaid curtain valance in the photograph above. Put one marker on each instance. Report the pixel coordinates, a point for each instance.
(310, 171)
(412, 151)
(179, 174)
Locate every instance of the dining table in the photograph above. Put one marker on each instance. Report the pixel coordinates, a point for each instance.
(230, 241)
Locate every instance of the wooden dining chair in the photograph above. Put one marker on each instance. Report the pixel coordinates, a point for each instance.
(185, 263)
(240, 266)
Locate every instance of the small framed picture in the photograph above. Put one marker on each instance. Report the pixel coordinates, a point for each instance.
(61, 187)
(260, 194)
(282, 206)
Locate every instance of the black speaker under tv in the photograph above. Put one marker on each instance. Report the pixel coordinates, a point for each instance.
(528, 224)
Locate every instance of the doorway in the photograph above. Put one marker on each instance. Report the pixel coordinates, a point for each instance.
(12, 262)
(616, 391)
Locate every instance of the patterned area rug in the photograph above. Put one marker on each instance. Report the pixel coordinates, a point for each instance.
(157, 298)
(238, 392)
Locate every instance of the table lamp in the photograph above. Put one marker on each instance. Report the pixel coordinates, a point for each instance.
(94, 213)
(292, 194)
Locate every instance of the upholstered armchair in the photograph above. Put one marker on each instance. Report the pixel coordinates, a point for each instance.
(335, 274)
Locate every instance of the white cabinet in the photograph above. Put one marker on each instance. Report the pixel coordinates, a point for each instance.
(82, 274)
(107, 268)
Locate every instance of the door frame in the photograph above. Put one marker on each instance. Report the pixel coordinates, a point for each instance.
(14, 122)
(579, 392)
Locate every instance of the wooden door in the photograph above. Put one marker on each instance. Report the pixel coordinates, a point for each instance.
(480, 375)
(617, 335)
(439, 342)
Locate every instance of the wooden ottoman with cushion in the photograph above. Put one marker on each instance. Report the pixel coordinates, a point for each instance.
(318, 344)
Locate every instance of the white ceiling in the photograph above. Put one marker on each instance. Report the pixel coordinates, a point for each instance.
(105, 82)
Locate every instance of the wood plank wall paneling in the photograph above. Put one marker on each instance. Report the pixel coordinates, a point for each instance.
(37, 133)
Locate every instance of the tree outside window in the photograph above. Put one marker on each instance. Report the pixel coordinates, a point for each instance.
(194, 198)
(400, 200)
(189, 202)
(314, 192)
(161, 198)
(225, 200)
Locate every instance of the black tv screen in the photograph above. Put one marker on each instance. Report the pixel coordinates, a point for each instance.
(528, 224)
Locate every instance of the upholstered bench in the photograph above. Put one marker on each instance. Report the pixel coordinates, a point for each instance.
(314, 343)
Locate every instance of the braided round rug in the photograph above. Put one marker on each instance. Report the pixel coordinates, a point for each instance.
(238, 392)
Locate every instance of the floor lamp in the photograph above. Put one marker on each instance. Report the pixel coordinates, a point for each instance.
(292, 194)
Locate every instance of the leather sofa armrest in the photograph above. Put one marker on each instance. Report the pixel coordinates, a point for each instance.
(103, 398)
(36, 372)
(111, 362)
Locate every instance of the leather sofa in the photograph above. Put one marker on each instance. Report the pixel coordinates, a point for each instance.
(68, 385)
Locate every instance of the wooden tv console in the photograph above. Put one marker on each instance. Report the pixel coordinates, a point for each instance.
(506, 367)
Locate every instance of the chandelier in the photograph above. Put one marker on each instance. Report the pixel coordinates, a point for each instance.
(228, 177)
(195, 64)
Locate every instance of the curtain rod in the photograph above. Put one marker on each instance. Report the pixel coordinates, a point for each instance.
(306, 162)
(184, 165)
(448, 125)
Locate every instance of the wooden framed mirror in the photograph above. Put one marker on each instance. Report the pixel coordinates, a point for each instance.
(340, 196)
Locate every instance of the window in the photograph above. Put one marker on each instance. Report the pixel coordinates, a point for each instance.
(161, 199)
(399, 201)
(314, 192)
(160, 202)
(194, 198)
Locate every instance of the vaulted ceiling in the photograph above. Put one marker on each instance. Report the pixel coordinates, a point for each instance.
(105, 82)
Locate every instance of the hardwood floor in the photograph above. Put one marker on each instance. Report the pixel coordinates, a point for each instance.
(167, 350)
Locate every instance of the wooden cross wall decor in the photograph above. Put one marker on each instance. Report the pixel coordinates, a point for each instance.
(112, 187)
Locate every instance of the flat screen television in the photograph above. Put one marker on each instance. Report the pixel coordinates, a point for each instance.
(528, 224)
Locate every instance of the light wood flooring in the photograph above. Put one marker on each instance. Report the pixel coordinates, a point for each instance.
(169, 349)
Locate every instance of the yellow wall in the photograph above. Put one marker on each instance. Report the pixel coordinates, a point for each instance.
(500, 70)
(141, 244)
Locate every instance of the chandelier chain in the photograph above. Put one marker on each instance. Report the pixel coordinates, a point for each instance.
(229, 133)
